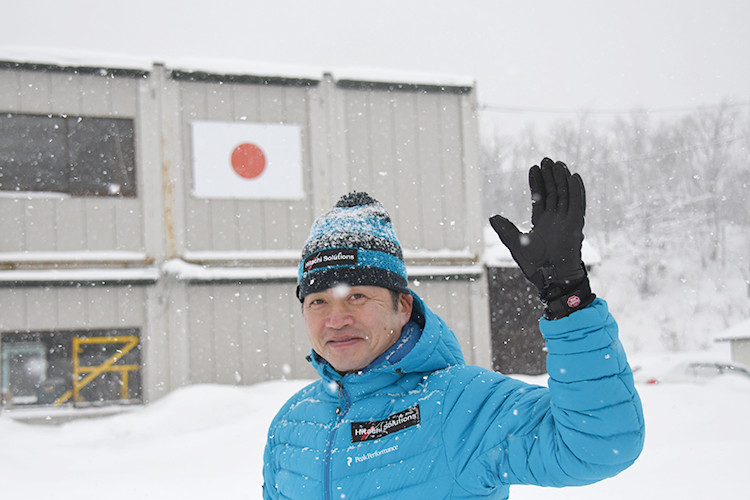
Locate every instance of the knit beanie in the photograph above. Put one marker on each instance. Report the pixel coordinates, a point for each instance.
(354, 244)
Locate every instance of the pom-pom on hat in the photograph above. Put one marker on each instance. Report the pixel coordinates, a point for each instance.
(354, 244)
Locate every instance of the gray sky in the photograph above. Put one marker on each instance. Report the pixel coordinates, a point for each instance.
(534, 55)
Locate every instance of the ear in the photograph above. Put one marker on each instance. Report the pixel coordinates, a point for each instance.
(405, 306)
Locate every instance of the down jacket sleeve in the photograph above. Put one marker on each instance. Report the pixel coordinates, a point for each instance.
(587, 426)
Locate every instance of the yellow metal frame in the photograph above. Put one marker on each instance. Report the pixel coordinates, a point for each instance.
(94, 371)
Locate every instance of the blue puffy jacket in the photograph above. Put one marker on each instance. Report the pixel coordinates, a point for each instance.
(419, 423)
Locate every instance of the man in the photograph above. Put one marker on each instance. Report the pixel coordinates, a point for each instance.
(398, 414)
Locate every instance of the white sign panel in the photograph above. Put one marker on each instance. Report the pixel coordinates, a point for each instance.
(247, 160)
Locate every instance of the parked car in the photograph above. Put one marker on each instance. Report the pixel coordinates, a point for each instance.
(696, 371)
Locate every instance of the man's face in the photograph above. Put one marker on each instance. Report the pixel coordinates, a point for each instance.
(351, 326)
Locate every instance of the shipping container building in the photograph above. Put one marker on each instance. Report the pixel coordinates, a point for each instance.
(140, 252)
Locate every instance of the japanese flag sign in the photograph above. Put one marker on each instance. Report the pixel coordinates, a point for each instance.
(247, 160)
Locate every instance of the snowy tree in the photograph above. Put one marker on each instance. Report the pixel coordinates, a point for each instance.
(667, 201)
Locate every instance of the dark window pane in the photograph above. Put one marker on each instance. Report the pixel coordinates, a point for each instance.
(32, 153)
(77, 155)
(102, 156)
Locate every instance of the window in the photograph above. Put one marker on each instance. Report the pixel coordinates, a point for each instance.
(81, 156)
(79, 368)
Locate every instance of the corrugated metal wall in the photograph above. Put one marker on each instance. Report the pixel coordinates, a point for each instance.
(212, 280)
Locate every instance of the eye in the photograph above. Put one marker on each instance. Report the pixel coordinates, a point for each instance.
(315, 302)
(357, 296)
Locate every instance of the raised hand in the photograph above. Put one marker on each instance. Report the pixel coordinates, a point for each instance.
(550, 254)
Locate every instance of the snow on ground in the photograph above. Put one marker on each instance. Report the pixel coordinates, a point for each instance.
(204, 441)
(207, 441)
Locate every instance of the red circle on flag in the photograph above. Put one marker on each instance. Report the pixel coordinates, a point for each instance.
(248, 160)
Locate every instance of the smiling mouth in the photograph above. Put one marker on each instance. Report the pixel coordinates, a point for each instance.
(343, 342)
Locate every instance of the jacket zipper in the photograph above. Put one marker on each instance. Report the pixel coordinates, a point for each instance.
(340, 412)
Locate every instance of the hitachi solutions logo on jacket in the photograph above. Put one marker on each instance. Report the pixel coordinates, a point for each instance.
(364, 431)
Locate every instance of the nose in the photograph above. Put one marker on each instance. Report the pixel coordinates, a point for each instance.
(339, 316)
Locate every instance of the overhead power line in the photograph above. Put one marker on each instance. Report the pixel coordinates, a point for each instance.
(558, 111)
(663, 153)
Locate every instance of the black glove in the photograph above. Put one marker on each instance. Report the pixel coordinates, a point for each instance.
(550, 254)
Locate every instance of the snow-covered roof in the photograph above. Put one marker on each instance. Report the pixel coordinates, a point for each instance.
(243, 67)
(77, 267)
(213, 266)
(146, 275)
(235, 268)
(77, 257)
(185, 271)
(57, 58)
(41, 58)
(375, 75)
(740, 331)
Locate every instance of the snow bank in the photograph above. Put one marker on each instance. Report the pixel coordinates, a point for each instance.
(207, 441)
